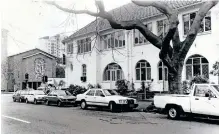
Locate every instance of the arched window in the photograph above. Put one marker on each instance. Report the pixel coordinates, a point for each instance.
(112, 72)
(162, 71)
(84, 70)
(197, 65)
(143, 70)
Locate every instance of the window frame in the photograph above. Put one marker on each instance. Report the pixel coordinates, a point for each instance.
(106, 40)
(92, 90)
(84, 45)
(203, 22)
(192, 57)
(140, 68)
(84, 70)
(145, 41)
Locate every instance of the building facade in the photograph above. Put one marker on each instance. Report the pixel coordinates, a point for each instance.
(36, 63)
(99, 54)
(53, 45)
(4, 54)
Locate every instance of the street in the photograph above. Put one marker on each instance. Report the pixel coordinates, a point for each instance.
(21, 118)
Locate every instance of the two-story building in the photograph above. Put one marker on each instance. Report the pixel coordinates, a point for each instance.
(99, 54)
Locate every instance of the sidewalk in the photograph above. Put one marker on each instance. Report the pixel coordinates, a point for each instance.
(143, 104)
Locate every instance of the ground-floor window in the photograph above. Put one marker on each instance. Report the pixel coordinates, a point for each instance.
(112, 72)
(143, 70)
(197, 65)
(162, 71)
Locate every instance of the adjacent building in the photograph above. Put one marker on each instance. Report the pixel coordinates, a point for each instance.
(53, 45)
(99, 54)
(4, 54)
(35, 63)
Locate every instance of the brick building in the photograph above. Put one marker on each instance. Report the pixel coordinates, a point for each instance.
(35, 62)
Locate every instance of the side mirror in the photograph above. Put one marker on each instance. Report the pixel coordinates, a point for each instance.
(102, 95)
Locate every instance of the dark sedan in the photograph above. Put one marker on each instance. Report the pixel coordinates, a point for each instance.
(60, 98)
(19, 95)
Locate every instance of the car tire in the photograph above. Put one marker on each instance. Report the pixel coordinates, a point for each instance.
(83, 104)
(26, 101)
(112, 106)
(20, 100)
(47, 102)
(35, 101)
(173, 113)
(59, 103)
(14, 100)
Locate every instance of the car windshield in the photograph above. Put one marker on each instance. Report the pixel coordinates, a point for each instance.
(63, 93)
(216, 87)
(109, 92)
(39, 93)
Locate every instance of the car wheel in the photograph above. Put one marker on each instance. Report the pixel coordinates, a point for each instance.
(26, 100)
(14, 100)
(35, 101)
(112, 106)
(20, 100)
(47, 102)
(83, 105)
(173, 113)
(59, 103)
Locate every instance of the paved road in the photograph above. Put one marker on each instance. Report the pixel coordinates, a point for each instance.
(21, 118)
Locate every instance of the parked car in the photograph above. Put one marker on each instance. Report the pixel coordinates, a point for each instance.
(60, 98)
(35, 96)
(19, 95)
(105, 98)
(203, 100)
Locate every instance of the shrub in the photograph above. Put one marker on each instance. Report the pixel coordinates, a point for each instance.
(89, 86)
(122, 87)
(185, 86)
(198, 79)
(76, 89)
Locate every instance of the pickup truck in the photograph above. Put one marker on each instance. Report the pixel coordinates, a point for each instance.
(203, 100)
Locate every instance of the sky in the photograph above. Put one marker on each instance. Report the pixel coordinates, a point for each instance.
(28, 20)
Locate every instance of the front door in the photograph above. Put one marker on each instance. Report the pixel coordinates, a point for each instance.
(100, 99)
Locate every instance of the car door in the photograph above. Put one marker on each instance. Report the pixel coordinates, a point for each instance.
(100, 99)
(30, 96)
(200, 103)
(214, 101)
(50, 96)
(89, 97)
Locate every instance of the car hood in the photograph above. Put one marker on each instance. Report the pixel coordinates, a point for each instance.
(118, 97)
(67, 97)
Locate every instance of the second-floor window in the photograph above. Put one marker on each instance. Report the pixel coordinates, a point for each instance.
(139, 38)
(189, 18)
(70, 48)
(113, 40)
(162, 28)
(84, 45)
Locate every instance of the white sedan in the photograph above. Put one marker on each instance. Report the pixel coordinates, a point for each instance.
(105, 98)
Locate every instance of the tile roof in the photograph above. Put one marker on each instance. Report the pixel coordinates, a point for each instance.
(130, 12)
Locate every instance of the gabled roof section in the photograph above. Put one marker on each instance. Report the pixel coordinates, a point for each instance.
(39, 51)
(130, 12)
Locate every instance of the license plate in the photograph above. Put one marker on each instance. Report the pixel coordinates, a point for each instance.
(131, 105)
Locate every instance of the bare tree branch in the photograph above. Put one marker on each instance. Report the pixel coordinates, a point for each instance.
(187, 43)
(128, 25)
(172, 16)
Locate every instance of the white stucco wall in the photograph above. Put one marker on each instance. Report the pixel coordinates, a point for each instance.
(205, 45)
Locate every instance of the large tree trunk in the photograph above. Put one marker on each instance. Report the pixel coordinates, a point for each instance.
(175, 81)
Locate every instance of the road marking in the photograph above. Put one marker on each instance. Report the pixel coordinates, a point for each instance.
(15, 119)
